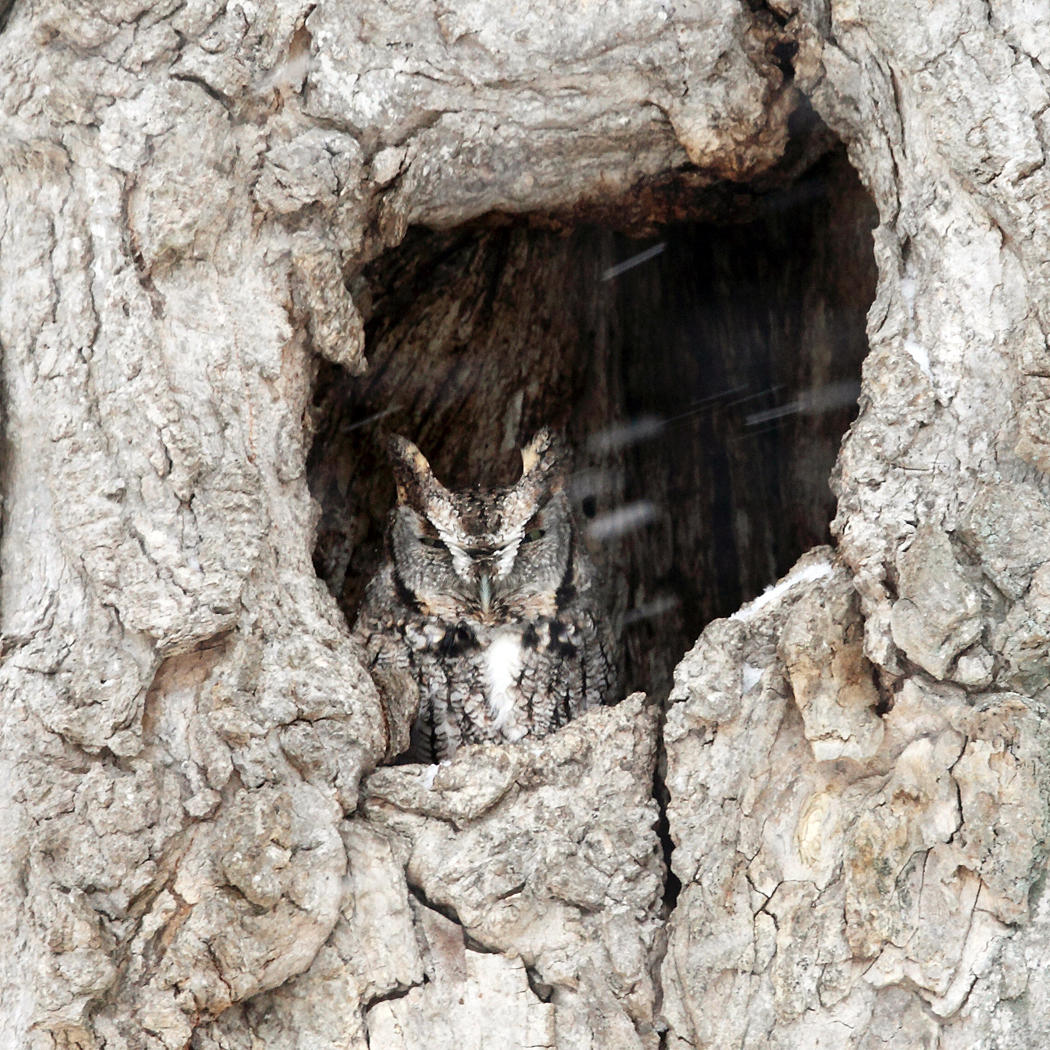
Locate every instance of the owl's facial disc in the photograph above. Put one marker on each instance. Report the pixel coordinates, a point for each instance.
(493, 555)
(480, 567)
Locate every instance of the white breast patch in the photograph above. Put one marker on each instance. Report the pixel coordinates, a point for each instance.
(502, 669)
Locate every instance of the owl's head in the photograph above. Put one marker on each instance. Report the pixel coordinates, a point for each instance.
(489, 555)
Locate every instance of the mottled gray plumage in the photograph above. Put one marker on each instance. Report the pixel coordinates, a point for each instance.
(485, 611)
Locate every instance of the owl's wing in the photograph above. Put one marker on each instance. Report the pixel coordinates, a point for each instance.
(600, 670)
(399, 694)
(378, 632)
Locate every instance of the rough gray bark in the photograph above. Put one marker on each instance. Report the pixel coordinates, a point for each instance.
(198, 848)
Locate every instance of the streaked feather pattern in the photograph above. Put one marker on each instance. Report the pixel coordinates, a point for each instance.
(485, 611)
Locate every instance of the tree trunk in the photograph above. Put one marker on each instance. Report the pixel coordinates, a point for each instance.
(238, 240)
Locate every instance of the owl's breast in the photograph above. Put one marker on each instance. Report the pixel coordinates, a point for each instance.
(482, 682)
(502, 660)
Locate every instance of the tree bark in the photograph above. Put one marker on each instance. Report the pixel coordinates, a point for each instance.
(201, 846)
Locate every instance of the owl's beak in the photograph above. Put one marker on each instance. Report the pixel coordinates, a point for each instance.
(485, 592)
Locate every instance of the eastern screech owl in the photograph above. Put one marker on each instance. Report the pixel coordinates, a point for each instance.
(485, 610)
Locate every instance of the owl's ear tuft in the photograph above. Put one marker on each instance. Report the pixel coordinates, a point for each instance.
(412, 472)
(542, 459)
(542, 453)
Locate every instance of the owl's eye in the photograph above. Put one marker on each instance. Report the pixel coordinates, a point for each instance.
(533, 535)
(432, 542)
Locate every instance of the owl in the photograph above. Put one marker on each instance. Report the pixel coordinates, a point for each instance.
(486, 611)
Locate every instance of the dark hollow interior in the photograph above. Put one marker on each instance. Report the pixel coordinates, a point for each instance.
(704, 377)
